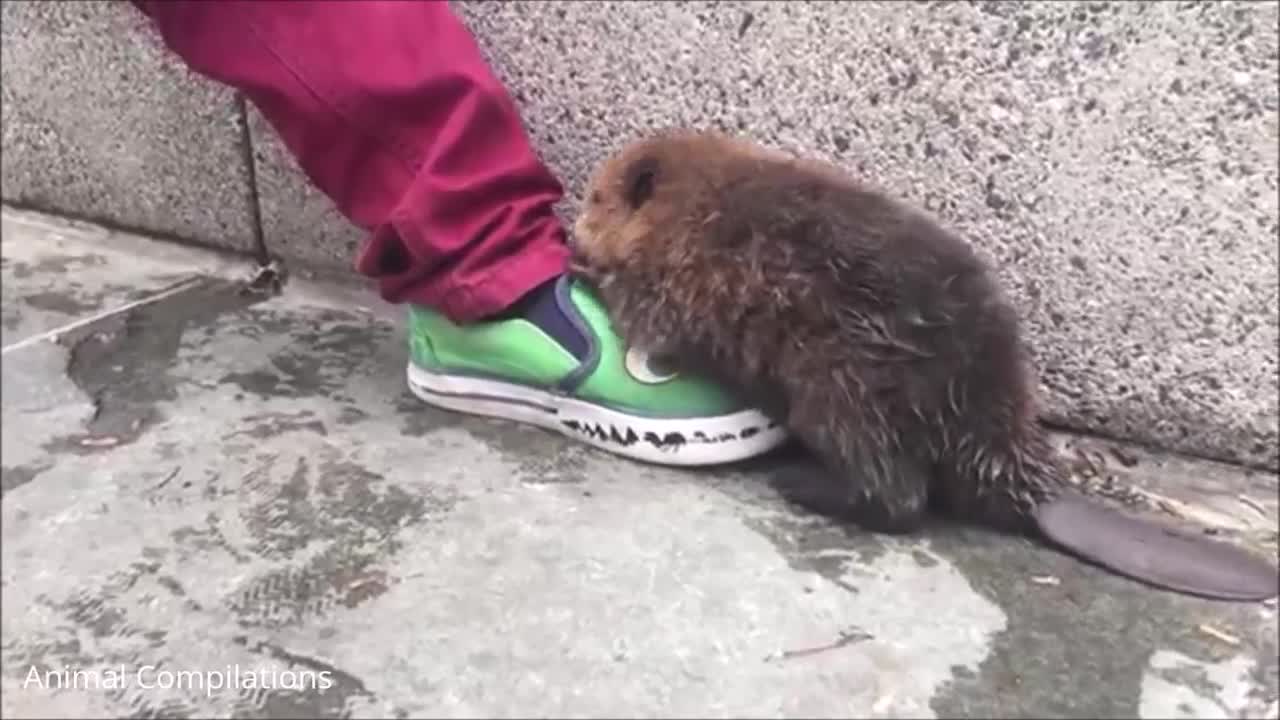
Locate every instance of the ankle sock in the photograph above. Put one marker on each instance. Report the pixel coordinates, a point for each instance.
(541, 307)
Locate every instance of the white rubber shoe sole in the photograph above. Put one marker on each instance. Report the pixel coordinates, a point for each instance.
(681, 442)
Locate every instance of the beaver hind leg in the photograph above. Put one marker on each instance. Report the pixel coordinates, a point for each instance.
(878, 483)
(888, 491)
(891, 505)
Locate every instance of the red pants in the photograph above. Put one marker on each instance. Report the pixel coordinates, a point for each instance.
(392, 112)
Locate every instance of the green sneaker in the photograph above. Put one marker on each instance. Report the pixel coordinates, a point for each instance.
(615, 400)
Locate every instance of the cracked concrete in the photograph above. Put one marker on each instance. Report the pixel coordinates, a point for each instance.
(239, 492)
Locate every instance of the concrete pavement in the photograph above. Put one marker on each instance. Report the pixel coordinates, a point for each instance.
(218, 504)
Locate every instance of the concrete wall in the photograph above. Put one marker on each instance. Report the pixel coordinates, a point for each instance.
(99, 122)
(1118, 160)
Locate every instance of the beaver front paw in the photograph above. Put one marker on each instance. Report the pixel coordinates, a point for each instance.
(586, 270)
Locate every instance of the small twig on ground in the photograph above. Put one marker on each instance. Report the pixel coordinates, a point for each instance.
(847, 637)
(172, 474)
(1254, 504)
(1219, 634)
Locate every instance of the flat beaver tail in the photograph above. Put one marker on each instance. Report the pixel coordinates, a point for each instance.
(1026, 491)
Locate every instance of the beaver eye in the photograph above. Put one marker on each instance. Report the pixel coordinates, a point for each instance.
(595, 196)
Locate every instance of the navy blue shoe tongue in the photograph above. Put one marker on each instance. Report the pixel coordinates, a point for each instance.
(548, 307)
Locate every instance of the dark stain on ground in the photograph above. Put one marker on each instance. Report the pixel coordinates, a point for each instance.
(62, 295)
(351, 512)
(19, 475)
(68, 297)
(808, 541)
(263, 383)
(350, 415)
(207, 538)
(541, 457)
(263, 426)
(803, 483)
(1080, 648)
(62, 303)
(130, 645)
(119, 637)
(53, 264)
(1061, 653)
(123, 362)
(308, 699)
(418, 419)
(320, 359)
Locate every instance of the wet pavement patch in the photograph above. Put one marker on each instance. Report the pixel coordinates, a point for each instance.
(94, 629)
(319, 360)
(802, 518)
(59, 302)
(417, 419)
(1080, 645)
(51, 281)
(307, 699)
(267, 425)
(123, 362)
(347, 511)
(15, 477)
(820, 545)
(1079, 641)
(53, 265)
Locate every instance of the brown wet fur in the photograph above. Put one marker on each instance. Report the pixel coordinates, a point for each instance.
(879, 337)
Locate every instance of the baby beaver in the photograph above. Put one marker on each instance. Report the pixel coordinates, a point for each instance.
(879, 338)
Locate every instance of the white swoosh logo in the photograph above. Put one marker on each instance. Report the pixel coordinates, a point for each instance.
(638, 365)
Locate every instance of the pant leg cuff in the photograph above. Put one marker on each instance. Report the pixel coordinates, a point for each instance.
(497, 289)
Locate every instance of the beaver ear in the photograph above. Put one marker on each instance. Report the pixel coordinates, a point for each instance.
(639, 181)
